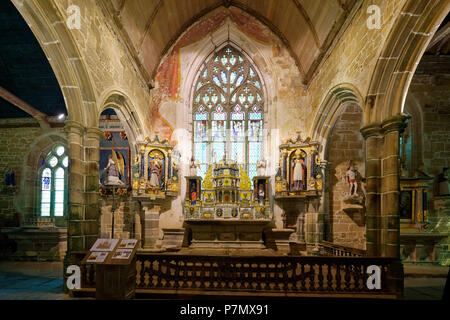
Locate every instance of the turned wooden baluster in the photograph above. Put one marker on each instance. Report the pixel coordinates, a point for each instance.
(347, 277)
(320, 278)
(338, 278)
(329, 277)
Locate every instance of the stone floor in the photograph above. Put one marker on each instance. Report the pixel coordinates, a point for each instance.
(43, 281)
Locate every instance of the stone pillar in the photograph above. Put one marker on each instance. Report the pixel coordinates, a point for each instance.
(76, 213)
(373, 137)
(313, 228)
(83, 213)
(390, 186)
(151, 224)
(382, 180)
(92, 161)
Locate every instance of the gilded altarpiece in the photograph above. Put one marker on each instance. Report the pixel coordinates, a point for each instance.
(299, 186)
(155, 184)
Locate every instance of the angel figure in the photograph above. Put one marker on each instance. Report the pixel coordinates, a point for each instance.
(115, 168)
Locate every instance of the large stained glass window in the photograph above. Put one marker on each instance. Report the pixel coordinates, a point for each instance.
(54, 182)
(228, 111)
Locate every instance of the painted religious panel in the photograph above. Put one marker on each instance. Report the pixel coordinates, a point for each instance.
(114, 157)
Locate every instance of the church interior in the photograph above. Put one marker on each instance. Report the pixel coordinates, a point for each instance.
(225, 147)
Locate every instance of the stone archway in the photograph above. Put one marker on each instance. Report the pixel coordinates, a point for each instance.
(384, 121)
(342, 99)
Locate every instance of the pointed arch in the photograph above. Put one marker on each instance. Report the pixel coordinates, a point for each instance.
(331, 108)
(49, 28)
(126, 112)
(406, 43)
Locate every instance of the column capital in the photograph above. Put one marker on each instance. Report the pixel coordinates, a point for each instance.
(94, 132)
(72, 126)
(395, 123)
(373, 129)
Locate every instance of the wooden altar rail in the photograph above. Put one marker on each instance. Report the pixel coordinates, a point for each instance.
(332, 249)
(288, 276)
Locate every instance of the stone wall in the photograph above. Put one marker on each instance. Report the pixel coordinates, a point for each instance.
(15, 144)
(346, 143)
(126, 217)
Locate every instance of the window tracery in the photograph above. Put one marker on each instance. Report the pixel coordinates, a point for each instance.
(228, 111)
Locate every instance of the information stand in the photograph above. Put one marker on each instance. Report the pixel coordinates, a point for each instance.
(115, 261)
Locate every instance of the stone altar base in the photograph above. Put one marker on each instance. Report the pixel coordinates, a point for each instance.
(278, 239)
(227, 234)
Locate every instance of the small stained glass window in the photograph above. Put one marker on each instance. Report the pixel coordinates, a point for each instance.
(53, 183)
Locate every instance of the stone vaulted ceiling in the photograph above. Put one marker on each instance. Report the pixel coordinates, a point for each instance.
(307, 27)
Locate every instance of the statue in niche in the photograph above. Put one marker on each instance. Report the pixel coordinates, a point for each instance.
(261, 193)
(193, 193)
(115, 168)
(298, 172)
(443, 183)
(156, 169)
(193, 167)
(261, 167)
(350, 176)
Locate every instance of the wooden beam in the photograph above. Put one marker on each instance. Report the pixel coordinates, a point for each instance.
(41, 117)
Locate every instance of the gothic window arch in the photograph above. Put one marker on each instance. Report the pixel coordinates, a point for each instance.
(53, 183)
(228, 109)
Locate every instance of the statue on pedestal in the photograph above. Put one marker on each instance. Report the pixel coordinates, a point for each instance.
(193, 167)
(351, 179)
(261, 167)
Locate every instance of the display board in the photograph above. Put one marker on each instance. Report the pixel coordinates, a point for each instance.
(112, 252)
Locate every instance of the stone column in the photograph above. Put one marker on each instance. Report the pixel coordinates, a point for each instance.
(92, 161)
(390, 186)
(313, 228)
(151, 224)
(373, 137)
(76, 205)
(83, 213)
(382, 180)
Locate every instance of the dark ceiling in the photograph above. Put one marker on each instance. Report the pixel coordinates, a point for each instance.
(24, 68)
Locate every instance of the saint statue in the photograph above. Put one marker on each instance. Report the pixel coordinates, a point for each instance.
(156, 168)
(114, 169)
(298, 176)
(193, 194)
(261, 167)
(351, 179)
(261, 193)
(443, 182)
(193, 167)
